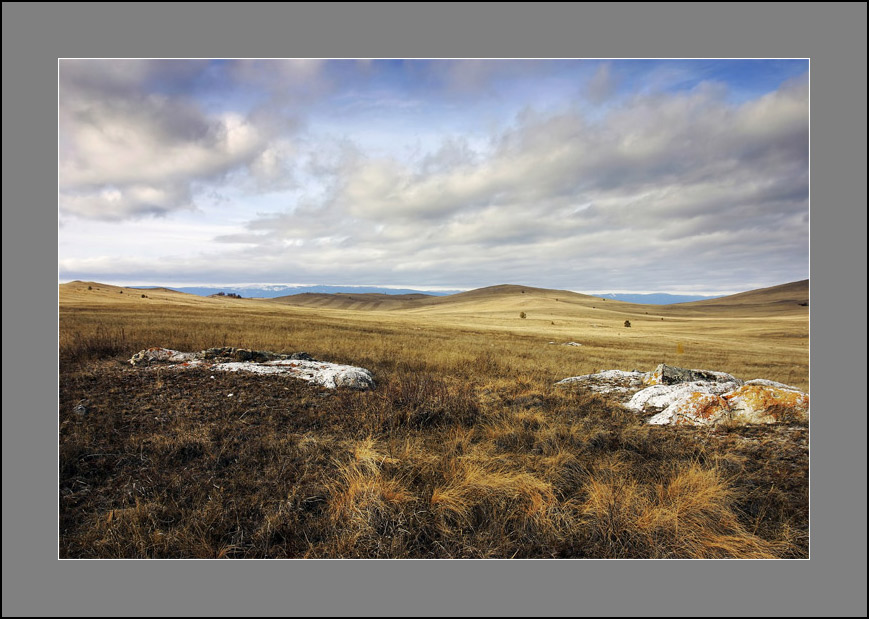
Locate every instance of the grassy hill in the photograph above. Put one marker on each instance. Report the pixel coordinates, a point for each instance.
(466, 448)
(756, 334)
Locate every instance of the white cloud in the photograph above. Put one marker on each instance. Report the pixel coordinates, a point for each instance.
(670, 187)
(127, 152)
(657, 179)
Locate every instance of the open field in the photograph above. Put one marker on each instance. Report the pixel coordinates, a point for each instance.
(465, 448)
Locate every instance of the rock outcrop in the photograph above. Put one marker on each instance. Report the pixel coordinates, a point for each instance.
(297, 365)
(609, 381)
(329, 375)
(161, 355)
(679, 396)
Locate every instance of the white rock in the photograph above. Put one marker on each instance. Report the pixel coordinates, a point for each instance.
(330, 375)
(161, 354)
(662, 397)
(608, 381)
(763, 403)
(678, 396)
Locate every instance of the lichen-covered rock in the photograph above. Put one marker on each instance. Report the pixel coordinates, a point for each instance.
(760, 403)
(670, 375)
(657, 398)
(678, 396)
(161, 355)
(228, 359)
(608, 381)
(329, 375)
(749, 403)
(693, 408)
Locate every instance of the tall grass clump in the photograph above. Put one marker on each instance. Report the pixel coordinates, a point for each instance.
(97, 342)
(689, 514)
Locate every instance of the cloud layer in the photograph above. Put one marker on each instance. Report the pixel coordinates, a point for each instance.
(608, 186)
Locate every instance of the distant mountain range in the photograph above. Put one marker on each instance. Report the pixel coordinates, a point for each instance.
(270, 292)
(273, 291)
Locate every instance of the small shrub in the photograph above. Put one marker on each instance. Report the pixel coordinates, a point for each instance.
(523, 315)
(627, 323)
(90, 288)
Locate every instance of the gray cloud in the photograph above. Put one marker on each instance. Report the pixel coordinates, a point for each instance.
(602, 84)
(687, 181)
(128, 150)
(662, 191)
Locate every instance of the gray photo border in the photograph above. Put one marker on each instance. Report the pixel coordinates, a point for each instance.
(831, 35)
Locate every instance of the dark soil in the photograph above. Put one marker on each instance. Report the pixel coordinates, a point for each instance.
(155, 462)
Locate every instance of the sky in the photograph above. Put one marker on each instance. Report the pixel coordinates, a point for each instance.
(677, 176)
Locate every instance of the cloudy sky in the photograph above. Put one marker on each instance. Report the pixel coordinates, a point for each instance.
(680, 176)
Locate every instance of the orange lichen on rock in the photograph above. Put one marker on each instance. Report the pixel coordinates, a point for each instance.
(697, 408)
(765, 404)
(747, 404)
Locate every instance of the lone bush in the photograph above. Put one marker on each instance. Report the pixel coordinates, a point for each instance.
(522, 315)
(627, 323)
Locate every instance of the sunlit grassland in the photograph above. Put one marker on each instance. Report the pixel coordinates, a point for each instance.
(465, 448)
(746, 343)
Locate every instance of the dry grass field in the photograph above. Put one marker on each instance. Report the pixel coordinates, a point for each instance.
(464, 449)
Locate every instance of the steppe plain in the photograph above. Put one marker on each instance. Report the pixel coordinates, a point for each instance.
(464, 449)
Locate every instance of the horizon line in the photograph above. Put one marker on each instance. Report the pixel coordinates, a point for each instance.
(705, 293)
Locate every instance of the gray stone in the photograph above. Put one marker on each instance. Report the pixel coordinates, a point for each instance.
(298, 365)
(679, 396)
(670, 375)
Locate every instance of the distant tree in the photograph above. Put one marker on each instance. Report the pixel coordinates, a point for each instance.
(522, 315)
(627, 323)
(90, 287)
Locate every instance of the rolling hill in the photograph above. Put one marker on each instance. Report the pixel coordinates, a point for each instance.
(791, 298)
(793, 293)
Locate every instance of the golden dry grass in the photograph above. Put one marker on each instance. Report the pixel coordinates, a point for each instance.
(478, 330)
(465, 448)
